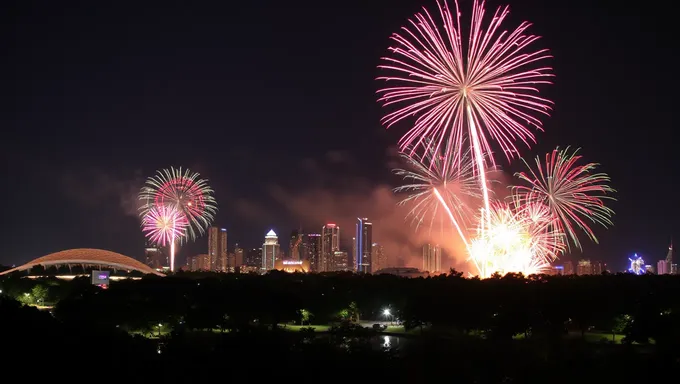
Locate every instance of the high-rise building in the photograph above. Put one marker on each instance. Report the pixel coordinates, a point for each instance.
(155, 258)
(379, 260)
(663, 268)
(238, 256)
(672, 268)
(364, 241)
(199, 263)
(340, 261)
(311, 250)
(295, 247)
(584, 267)
(270, 251)
(597, 267)
(568, 268)
(432, 258)
(253, 258)
(217, 249)
(330, 243)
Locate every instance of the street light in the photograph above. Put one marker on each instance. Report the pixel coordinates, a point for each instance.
(387, 313)
(159, 329)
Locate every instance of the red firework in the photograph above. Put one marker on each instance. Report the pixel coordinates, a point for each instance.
(476, 92)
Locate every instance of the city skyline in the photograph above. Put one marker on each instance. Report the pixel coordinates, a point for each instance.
(70, 126)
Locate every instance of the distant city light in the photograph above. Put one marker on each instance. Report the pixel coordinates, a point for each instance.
(637, 265)
(292, 262)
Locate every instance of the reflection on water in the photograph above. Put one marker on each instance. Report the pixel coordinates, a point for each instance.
(387, 343)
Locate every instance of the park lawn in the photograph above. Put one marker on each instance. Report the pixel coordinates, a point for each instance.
(296, 328)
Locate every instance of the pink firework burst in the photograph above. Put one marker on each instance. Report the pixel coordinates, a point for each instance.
(162, 224)
(573, 191)
(470, 89)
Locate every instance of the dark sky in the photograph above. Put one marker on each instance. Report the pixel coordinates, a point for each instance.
(269, 99)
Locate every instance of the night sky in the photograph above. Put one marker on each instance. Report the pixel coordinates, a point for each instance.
(274, 102)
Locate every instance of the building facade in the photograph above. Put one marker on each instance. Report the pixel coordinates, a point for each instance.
(432, 258)
(217, 249)
(155, 258)
(270, 251)
(379, 258)
(311, 250)
(330, 243)
(340, 261)
(362, 245)
(199, 263)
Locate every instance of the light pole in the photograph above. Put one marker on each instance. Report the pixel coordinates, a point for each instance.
(159, 329)
(387, 313)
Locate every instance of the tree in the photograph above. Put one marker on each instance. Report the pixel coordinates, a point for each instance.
(39, 294)
(619, 324)
(305, 315)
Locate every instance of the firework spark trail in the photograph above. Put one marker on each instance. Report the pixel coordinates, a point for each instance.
(456, 187)
(164, 224)
(453, 219)
(515, 238)
(186, 192)
(491, 82)
(573, 192)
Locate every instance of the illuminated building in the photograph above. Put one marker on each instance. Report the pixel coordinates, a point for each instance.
(217, 249)
(155, 258)
(253, 258)
(379, 260)
(340, 261)
(597, 267)
(568, 268)
(270, 251)
(87, 257)
(292, 266)
(330, 243)
(663, 268)
(295, 246)
(637, 265)
(311, 249)
(432, 258)
(199, 263)
(238, 256)
(363, 243)
(584, 267)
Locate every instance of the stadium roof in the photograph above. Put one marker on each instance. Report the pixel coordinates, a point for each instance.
(87, 256)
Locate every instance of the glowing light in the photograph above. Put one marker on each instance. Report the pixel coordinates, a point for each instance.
(637, 265)
(574, 193)
(465, 96)
(387, 312)
(184, 191)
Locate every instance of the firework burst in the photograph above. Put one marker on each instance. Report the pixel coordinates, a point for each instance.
(163, 224)
(515, 238)
(475, 92)
(184, 191)
(573, 192)
(428, 181)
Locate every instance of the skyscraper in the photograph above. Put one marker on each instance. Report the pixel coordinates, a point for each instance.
(253, 258)
(584, 267)
(330, 243)
(432, 258)
(311, 250)
(379, 260)
(295, 245)
(270, 251)
(364, 241)
(155, 258)
(340, 261)
(238, 256)
(217, 249)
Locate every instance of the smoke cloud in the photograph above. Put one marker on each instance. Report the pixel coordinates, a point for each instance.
(341, 199)
(94, 188)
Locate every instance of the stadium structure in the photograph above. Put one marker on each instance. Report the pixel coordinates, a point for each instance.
(87, 257)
